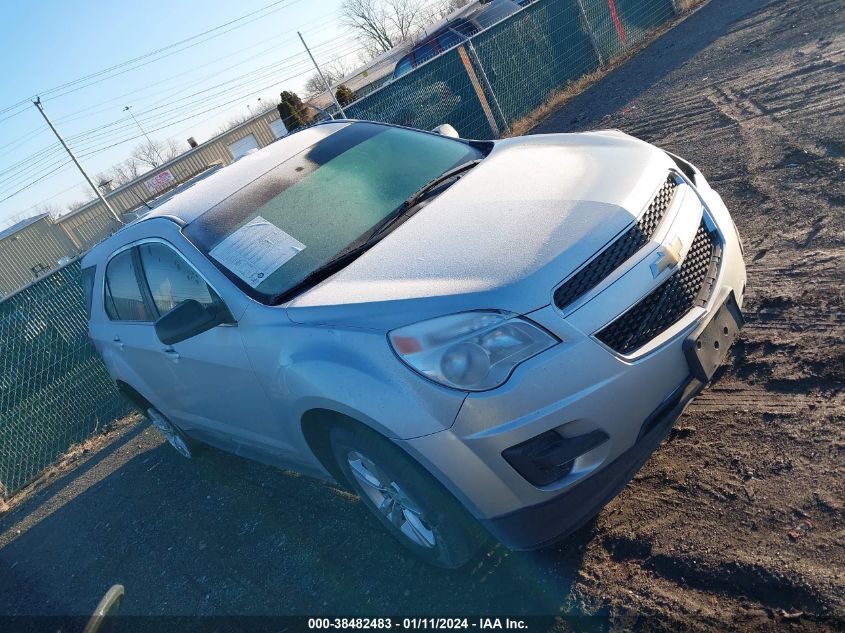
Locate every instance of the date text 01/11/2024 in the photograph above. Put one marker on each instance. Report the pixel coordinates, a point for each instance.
(409, 624)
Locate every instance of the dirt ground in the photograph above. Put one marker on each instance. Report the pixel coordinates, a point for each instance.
(740, 513)
(737, 521)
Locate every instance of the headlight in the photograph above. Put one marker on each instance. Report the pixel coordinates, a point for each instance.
(471, 351)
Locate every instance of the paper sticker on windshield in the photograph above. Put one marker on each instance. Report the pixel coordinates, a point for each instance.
(256, 250)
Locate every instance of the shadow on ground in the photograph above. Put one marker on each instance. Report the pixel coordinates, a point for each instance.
(222, 535)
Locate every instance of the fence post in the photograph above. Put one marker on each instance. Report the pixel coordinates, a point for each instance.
(488, 85)
(590, 33)
(479, 91)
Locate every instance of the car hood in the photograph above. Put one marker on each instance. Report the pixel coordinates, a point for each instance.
(502, 237)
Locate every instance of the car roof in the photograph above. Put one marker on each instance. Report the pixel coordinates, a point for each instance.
(188, 205)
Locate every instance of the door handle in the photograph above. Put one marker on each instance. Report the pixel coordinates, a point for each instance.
(171, 353)
(117, 340)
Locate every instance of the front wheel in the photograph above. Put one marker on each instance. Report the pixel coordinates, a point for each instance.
(171, 433)
(407, 500)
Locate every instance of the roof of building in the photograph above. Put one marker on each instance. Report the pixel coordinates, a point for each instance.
(20, 225)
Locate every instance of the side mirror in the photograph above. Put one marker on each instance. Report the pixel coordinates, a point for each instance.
(188, 319)
(446, 130)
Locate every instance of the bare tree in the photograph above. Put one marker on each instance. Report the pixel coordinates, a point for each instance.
(260, 108)
(76, 204)
(154, 153)
(384, 24)
(333, 72)
(51, 209)
(126, 171)
(235, 121)
(448, 6)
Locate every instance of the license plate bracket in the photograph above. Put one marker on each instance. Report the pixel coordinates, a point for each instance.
(709, 343)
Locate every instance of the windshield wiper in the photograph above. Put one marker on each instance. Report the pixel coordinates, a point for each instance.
(375, 234)
(443, 178)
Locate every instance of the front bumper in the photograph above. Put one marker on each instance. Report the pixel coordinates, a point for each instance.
(544, 523)
(575, 388)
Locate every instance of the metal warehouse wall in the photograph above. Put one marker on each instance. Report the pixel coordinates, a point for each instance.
(87, 226)
(30, 253)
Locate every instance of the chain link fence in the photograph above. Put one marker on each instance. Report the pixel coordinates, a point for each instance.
(502, 73)
(54, 390)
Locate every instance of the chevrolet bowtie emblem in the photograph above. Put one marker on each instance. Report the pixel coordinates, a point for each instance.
(668, 256)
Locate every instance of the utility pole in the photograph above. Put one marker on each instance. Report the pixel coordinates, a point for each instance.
(152, 145)
(322, 76)
(100, 195)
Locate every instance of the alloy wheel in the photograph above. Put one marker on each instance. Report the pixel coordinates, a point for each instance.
(389, 498)
(170, 432)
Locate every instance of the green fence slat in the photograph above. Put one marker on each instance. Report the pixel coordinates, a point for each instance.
(533, 54)
(436, 92)
(54, 390)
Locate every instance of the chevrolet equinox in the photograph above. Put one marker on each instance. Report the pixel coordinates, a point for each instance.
(477, 336)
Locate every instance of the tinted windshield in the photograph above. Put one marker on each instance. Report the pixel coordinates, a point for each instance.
(300, 215)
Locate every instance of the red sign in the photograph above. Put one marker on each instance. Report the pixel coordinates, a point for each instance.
(162, 180)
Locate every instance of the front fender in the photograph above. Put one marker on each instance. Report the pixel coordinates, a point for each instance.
(353, 372)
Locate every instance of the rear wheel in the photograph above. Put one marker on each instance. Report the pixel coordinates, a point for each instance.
(184, 446)
(407, 500)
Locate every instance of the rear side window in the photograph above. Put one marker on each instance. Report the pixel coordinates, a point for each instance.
(424, 53)
(88, 288)
(123, 298)
(404, 66)
(171, 279)
(449, 39)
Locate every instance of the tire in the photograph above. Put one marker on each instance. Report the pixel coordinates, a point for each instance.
(185, 446)
(406, 499)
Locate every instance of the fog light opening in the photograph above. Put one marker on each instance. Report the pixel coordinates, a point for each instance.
(549, 457)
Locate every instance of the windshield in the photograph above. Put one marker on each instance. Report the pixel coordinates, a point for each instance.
(274, 232)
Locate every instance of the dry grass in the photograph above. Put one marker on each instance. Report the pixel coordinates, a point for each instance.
(555, 100)
(685, 6)
(560, 97)
(70, 459)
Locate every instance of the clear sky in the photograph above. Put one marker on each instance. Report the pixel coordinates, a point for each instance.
(188, 90)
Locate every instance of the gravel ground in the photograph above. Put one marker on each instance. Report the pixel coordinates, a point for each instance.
(736, 521)
(740, 514)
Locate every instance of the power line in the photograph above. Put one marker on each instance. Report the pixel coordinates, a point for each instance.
(34, 182)
(238, 99)
(40, 165)
(10, 183)
(33, 163)
(121, 126)
(89, 80)
(254, 75)
(55, 195)
(32, 159)
(25, 138)
(85, 112)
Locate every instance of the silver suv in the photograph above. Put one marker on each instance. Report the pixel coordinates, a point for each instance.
(478, 337)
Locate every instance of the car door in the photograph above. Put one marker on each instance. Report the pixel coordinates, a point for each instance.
(125, 336)
(213, 390)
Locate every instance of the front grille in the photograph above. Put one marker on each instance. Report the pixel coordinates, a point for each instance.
(691, 285)
(619, 251)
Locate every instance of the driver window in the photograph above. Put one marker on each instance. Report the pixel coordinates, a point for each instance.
(171, 279)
